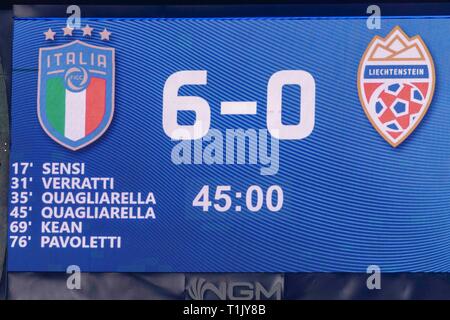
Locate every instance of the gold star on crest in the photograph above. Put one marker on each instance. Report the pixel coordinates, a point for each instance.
(105, 34)
(87, 31)
(67, 31)
(49, 34)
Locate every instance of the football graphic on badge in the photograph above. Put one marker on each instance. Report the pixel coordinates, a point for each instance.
(396, 80)
(75, 92)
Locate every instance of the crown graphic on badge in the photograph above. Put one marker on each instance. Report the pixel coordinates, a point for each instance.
(396, 80)
(75, 100)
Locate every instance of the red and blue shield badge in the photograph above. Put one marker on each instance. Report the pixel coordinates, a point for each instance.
(396, 80)
(76, 92)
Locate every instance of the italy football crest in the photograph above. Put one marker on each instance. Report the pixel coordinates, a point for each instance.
(76, 92)
(396, 79)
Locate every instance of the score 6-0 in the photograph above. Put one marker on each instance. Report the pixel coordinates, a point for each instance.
(172, 103)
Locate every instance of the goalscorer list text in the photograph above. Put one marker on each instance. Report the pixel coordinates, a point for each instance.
(69, 201)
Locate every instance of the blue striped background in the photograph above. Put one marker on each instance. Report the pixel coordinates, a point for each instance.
(350, 198)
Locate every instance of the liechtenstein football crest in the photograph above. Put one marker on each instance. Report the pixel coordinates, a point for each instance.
(75, 90)
(396, 84)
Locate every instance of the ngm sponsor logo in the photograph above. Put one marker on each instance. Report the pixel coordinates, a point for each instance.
(202, 289)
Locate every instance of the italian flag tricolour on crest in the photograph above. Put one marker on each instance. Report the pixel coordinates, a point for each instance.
(75, 114)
